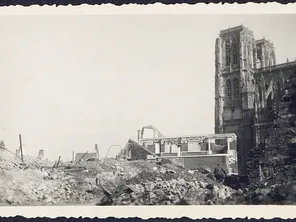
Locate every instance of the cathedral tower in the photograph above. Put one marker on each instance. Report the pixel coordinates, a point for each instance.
(265, 55)
(236, 58)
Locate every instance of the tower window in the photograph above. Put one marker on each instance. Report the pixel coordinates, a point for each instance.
(235, 53)
(260, 93)
(235, 89)
(227, 53)
(228, 89)
(266, 59)
(259, 58)
(235, 58)
(227, 59)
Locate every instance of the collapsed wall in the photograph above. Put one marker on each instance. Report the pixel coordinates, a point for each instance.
(134, 151)
(275, 158)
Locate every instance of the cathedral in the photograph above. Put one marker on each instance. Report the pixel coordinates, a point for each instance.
(249, 85)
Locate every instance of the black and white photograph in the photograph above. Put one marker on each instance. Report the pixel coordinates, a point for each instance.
(154, 109)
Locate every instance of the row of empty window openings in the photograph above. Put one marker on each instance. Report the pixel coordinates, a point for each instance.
(234, 59)
(232, 89)
(269, 62)
(231, 53)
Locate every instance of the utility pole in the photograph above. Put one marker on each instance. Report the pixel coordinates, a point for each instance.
(21, 147)
(73, 156)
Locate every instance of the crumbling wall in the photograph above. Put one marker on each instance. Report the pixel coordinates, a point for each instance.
(209, 161)
(137, 153)
(134, 151)
(274, 158)
(155, 132)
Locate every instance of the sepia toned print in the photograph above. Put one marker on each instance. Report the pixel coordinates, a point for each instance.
(109, 110)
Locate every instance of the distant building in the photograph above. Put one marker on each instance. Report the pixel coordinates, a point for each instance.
(196, 151)
(191, 152)
(87, 156)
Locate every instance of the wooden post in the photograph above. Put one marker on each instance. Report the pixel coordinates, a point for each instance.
(58, 162)
(138, 136)
(21, 147)
(97, 152)
(73, 156)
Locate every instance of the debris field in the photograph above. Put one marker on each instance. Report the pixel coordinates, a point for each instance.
(107, 182)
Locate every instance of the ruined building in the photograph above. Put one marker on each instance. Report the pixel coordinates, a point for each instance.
(274, 159)
(248, 88)
(189, 151)
(41, 154)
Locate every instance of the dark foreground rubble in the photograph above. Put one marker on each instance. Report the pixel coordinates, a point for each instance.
(265, 194)
(272, 165)
(170, 185)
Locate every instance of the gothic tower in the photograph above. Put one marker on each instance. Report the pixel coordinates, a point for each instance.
(236, 57)
(265, 55)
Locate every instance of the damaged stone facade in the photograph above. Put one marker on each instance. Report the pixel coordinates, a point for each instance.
(274, 158)
(248, 88)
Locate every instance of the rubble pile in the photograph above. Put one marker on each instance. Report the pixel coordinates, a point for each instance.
(276, 194)
(167, 186)
(41, 187)
(172, 192)
(106, 182)
(41, 182)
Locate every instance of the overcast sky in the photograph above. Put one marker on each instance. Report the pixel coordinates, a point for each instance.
(69, 82)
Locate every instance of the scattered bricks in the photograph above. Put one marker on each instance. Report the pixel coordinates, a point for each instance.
(54, 176)
(42, 186)
(291, 140)
(10, 200)
(174, 191)
(170, 171)
(72, 181)
(45, 174)
(202, 184)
